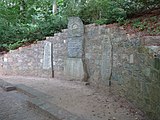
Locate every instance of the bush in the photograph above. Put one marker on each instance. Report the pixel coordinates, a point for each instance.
(98, 11)
(138, 7)
(33, 23)
(35, 20)
(12, 36)
(108, 11)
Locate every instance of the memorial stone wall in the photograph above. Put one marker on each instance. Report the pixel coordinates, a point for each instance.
(131, 60)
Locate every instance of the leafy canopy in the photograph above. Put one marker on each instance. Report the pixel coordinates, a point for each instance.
(24, 21)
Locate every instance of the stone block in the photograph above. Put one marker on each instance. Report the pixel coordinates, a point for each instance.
(31, 91)
(47, 56)
(75, 69)
(75, 27)
(75, 47)
(52, 110)
(151, 40)
(106, 59)
(9, 88)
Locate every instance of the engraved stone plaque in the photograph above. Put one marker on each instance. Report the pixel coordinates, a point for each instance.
(47, 56)
(74, 64)
(75, 47)
(75, 38)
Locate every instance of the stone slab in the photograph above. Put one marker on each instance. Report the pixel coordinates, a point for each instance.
(52, 110)
(75, 38)
(75, 27)
(47, 55)
(75, 47)
(13, 107)
(38, 100)
(31, 91)
(7, 86)
(151, 40)
(106, 59)
(74, 69)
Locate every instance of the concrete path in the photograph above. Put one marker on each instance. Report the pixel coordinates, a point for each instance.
(81, 100)
(13, 106)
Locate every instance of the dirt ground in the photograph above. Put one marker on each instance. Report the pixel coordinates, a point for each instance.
(13, 106)
(82, 100)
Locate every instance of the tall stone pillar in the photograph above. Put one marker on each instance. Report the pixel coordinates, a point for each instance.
(75, 65)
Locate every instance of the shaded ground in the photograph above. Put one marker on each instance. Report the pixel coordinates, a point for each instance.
(13, 106)
(82, 100)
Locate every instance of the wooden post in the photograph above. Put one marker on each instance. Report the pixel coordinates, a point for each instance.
(52, 67)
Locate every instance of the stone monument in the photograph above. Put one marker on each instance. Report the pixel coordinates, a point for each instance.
(48, 59)
(106, 59)
(47, 56)
(75, 63)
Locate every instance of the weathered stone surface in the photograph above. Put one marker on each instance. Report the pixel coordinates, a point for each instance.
(52, 110)
(29, 60)
(74, 69)
(47, 56)
(31, 91)
(136, 64)
(75, 47)
(151, 40)
(106, 59)
(75, 27)
(14, 107)
(75, 38)
(9, 88)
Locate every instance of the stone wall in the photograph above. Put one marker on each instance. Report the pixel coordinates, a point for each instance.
(140, 75)
(59, 42)
(29, 60)
(130, 60)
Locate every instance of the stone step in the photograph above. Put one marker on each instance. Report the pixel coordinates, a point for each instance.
(31, 91)
(7, 86)
(38, 100)
(52, 110)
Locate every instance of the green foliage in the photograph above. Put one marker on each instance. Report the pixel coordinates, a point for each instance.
(27, 20)
(31, 20)
(149, 25)
(99, 11)
(134, 7)
(107, 11)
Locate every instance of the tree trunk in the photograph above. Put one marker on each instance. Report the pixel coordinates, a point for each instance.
(54, 7)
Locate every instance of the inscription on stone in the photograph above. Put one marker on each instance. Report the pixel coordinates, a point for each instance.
(75, 38)
(75, 47)
(106, 59)
(47, 56)
(75, 27)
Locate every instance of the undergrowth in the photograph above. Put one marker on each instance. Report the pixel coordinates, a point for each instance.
(147, 24)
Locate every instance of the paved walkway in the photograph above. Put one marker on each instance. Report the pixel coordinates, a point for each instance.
(81, 100)
(13, 106)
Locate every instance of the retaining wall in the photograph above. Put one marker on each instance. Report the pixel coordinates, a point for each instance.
(132, 61)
